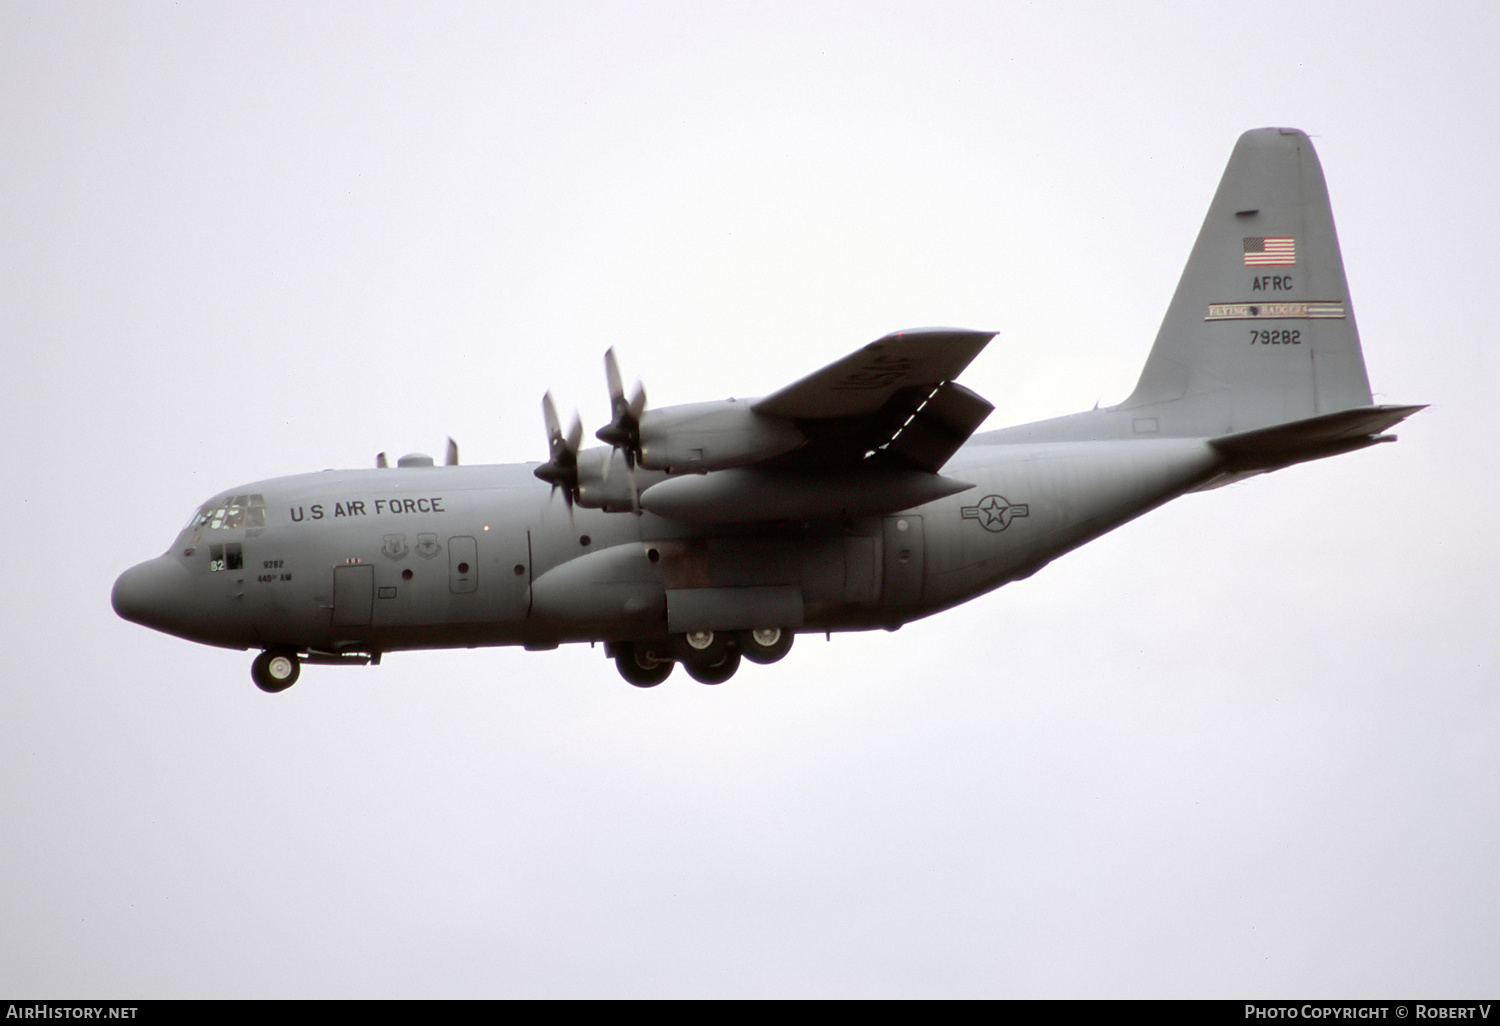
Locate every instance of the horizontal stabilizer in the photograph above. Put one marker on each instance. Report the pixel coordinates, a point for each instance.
(862, 382)
(1314, 438)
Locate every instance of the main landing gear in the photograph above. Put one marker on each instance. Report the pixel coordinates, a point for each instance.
(766, 645)
(276, 669)
(640, 663)
(710, 657)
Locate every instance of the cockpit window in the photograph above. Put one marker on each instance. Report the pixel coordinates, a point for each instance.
(238, 511)
(226, 557)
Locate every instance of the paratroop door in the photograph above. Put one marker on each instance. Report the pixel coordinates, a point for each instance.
(901, 581)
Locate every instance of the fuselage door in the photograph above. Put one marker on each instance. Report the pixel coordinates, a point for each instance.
(353, 595)
(901, 580)
(463, 565)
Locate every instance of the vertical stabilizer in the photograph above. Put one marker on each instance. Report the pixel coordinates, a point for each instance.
(1260, 331)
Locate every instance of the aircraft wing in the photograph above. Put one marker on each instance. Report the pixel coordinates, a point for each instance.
(865, 435)
(893, 403)
(865, 380)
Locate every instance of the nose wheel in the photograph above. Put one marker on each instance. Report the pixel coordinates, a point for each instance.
(275, 670)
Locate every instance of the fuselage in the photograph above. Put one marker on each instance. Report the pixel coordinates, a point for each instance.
(372, 561)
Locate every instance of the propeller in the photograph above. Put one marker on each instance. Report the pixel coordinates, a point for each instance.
(561, 469)
(623, 432)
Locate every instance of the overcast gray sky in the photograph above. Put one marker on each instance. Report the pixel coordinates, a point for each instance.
(1244, 746)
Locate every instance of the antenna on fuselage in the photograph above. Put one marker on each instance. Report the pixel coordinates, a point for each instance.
(451, 460)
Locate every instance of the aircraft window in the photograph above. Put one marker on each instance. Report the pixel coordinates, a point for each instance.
(226, 557)
(238, 512)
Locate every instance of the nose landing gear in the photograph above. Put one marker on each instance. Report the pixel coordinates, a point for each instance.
(275, 670)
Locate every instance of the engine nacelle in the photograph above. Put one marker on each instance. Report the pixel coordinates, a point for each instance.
(606, 482)
(700, 437)
(752, 495)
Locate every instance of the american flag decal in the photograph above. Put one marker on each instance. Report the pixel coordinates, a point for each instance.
(1270, 252)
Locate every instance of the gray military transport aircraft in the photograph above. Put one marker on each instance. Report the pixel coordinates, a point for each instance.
(856, 498)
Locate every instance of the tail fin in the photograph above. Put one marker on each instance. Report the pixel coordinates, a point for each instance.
(1260, 331)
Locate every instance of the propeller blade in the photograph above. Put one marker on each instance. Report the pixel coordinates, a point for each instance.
(549, 417)
(612, 376)
(624, 429)
(561, 468)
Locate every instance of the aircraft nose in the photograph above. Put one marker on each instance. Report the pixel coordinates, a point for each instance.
(153, 593)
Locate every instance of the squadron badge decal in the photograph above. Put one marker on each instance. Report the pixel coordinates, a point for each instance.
(995, 512)
(395, 546)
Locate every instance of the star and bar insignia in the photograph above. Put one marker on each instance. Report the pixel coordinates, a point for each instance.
(995, 512)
